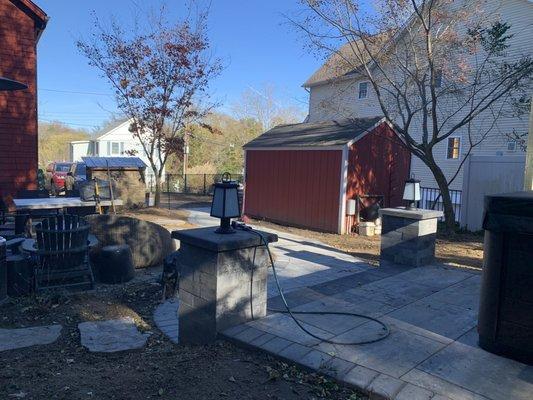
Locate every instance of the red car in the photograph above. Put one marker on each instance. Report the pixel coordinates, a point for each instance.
(56, 172)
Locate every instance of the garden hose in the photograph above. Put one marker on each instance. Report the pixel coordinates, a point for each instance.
(293, 313)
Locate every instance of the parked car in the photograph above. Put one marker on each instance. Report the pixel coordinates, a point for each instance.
(79, 172)
(56, 172)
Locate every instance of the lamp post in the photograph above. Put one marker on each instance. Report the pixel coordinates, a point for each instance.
(411, 192)
(225, 203)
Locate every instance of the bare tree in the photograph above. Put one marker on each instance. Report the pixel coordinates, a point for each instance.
(160, 75)
(265, 106)
(436, 68)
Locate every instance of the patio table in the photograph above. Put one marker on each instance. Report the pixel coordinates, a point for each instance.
(55, 203)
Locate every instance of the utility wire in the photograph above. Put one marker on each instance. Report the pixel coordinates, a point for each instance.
(75, 92)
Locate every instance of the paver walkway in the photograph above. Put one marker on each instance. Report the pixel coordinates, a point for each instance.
(431, 311)
(11, 339)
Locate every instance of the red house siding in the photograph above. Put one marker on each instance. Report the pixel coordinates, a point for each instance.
(294, 187)
(378, 164)
(18, 110)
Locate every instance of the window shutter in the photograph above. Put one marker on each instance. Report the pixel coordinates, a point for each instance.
(108, 148)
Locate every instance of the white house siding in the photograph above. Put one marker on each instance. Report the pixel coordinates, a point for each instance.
(339, 100)
(115, 143)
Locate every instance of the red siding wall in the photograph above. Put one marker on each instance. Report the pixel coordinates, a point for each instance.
(18, 110)
(294, 187)
(378, 164)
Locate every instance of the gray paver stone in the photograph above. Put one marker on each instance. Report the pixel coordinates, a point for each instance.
(360, 376)
(384, 387)
(275, 345)
(11, 339)
(316, 360)
(248, 335)
(295, 352)
(112, 335)
(412, 392)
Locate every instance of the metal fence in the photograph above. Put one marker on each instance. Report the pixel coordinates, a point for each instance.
(191, 183)
(432, 200)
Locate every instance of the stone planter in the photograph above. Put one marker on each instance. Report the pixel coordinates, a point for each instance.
(408, 235)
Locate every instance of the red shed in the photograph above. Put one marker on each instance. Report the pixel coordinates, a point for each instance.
(20, 29)
(303, 174)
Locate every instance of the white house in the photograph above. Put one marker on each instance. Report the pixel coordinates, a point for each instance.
(117, 141)
(336, 94)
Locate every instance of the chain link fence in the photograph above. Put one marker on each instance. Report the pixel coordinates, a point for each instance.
(202, 184)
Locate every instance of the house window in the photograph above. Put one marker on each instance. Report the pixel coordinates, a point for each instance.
(115, 148)
(454, 148)
(363, 90)
(511, 145)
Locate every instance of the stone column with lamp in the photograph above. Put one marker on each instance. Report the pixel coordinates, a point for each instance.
(408, 233)
(223, 271)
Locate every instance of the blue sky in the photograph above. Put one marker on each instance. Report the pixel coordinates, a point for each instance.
(251, 36)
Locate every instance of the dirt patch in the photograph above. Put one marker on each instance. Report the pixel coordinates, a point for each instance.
(170, 219)
(461, 249)
(162, 370)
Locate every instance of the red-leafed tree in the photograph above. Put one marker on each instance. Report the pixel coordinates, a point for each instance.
(160, 75)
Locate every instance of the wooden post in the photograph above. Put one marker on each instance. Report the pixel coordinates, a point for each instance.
(204, 186)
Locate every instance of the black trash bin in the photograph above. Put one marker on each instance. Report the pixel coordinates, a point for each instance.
(505, 323)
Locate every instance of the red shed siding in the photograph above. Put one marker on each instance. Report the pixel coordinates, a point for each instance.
(18, 110)
(295, 187)
(378, 164)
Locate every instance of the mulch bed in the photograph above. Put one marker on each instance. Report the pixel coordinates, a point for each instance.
(66, 370)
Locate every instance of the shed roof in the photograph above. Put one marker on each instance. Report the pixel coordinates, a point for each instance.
(114, 162)
(317, 134)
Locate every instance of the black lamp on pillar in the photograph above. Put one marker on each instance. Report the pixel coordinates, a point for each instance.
(225, 203)
(411, 192)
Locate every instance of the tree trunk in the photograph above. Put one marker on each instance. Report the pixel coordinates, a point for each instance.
(449, 213)
(157, 200)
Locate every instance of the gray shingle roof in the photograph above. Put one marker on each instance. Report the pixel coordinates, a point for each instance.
(114, 162)
(317, 134)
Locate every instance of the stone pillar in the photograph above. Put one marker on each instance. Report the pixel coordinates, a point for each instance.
(217, 280)
(408, 236)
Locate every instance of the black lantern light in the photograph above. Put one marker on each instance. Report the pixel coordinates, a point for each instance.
(225, 203)
(411, 192)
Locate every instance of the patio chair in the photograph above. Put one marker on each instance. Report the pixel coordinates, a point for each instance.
(62, 254)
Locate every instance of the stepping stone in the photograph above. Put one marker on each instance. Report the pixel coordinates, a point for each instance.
(24, 337)
(112, 335)
(166, 319)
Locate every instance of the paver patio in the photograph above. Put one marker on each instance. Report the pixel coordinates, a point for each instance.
(431, 352)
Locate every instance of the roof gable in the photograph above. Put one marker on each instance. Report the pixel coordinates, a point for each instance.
(321, 134)
(34, 12)
(118, 125)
